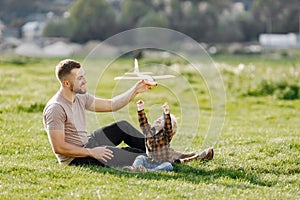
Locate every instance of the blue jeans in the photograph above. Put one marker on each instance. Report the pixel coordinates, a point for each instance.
(143, 160)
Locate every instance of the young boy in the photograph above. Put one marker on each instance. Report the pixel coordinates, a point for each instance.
(158, 138)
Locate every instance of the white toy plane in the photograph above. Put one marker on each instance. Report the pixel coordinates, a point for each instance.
(137, 75)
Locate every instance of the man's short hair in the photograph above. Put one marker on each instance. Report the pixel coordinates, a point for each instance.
(64, 68)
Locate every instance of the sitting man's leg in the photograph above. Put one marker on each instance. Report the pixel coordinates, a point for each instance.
(116, 133)
(86, 161)
(121, 157)
(111, 136)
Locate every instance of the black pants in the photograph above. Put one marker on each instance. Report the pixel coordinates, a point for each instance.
(111, 136)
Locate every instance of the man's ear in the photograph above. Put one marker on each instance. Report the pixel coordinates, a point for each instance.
(65, 83)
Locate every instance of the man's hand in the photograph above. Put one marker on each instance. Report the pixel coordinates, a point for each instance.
(118, 102)
(144, 85)
(166, 108)
(101, 153)
(140, 105)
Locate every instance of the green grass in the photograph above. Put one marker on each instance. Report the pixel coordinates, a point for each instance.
(257, 156)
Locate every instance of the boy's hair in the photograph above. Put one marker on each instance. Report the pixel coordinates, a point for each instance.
(64, 68)
(173, 122)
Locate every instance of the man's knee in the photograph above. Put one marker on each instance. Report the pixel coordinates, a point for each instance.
(125, 126)
(123, 123)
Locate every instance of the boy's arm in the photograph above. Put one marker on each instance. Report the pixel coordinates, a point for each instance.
(143, 119)
(168, 126)
(168, 130)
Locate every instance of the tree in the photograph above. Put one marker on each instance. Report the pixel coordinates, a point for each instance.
(276, 16)
(154, 19)
(14, 12)
(133, 11)
(58, 28)
(198, 19)
(91, 20)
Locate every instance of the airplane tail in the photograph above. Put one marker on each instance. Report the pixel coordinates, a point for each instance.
(136, 66)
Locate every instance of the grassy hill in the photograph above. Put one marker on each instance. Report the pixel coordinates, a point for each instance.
(257, 155)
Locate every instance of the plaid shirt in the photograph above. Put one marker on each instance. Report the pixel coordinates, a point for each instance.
(157, 144)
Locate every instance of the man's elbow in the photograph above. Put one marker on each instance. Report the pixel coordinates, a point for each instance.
(58, 150)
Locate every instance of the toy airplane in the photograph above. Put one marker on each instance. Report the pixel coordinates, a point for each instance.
(137, 75)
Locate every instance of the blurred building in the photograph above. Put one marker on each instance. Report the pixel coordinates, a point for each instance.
(32, 30)
(289, 40)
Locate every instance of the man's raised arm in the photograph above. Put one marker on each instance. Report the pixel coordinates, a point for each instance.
(118, 102)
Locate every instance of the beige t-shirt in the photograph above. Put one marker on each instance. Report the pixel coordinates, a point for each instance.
(61, 114)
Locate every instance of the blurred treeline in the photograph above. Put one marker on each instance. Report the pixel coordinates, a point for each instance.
(205, 21)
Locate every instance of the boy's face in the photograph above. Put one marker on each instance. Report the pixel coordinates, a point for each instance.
(158, 124)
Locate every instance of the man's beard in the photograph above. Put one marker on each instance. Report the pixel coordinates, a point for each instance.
(78, 90)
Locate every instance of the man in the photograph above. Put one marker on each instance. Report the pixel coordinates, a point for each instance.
(65, 123)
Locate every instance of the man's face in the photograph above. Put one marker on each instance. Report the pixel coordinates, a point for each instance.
(77, 81)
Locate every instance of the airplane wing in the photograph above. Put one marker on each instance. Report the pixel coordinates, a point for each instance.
(163, 77)
(138, 73)
(150, 78)
(129, 78)
(140, 77)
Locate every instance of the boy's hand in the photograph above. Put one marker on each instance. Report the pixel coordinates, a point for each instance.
(140, 105)
(166, 108)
